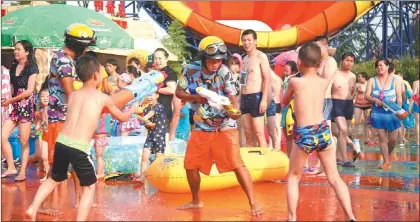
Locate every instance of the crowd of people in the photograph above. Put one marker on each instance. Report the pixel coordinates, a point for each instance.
(312, 109)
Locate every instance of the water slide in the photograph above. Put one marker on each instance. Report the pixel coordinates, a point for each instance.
(293, 23)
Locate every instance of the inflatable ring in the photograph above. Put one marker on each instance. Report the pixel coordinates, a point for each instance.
(308, 19)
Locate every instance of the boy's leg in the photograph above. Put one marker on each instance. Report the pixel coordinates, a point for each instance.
(44, 190)
(328, 159)
(99, 144)
(144, 162)
(44, 158)
(86, 202)
(296, 163)
(77, 188)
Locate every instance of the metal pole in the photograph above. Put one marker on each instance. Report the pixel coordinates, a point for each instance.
(385, 29)
(400, 29)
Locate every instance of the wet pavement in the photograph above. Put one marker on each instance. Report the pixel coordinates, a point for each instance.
(377, 195)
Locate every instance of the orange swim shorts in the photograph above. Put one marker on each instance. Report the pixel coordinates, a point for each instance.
(50, 136)
(222, 147)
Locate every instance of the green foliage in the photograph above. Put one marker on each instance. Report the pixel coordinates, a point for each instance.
(176, 66)
(406, 65)
(176, 41)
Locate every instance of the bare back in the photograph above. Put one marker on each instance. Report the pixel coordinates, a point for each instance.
(326, 70)
(309, 93)
(84, 109)
(276, 85)
(252, 65)
(343, 85)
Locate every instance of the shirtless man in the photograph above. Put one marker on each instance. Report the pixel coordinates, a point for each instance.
(342, 93)
(326, 70)
(254, 92)
(274, 111)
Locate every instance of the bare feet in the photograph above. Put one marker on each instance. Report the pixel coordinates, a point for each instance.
(50, 211)
(191, 205)
(321, 174)
(99, 176)
(30, 214)
(139, 179)
(256, 210)
(94, 205)
(20, 178)
(385, 166)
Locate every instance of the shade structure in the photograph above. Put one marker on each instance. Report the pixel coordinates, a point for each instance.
(44, 27)
(307, 19)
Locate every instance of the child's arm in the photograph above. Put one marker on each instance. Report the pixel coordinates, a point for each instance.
(114, 111)
(149, 114)
(289, 92)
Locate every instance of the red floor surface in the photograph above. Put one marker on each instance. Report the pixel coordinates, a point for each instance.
(135, 202)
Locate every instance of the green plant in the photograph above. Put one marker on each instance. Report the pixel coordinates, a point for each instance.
(176, 41)
(406, 65)
(177, 67)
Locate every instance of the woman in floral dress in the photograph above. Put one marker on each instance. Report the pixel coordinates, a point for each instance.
(23, 76)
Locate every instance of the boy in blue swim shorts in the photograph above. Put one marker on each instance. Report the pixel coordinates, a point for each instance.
(311, 130)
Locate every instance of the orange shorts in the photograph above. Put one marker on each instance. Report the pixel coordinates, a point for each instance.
(221, 147)
(50, 136)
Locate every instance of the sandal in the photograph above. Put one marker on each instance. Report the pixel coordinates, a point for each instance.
(20, 179)
(5, 175)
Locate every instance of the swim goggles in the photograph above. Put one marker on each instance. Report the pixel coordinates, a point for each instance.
(213, 49)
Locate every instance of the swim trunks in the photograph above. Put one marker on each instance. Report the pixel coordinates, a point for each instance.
(76, 153)
(250, 103)
(101, 141)
(221, 147)
(271, 110)
(327, 109)
(363, 107)
(343, 108)
(278, 107)
(316, 137)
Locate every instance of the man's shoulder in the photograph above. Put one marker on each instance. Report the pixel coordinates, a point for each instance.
(261, 55)
(330, 62)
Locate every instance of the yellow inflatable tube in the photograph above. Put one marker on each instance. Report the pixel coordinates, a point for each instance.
(167, 174)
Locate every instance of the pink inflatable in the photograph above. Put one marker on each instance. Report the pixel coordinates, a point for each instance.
(281, 59)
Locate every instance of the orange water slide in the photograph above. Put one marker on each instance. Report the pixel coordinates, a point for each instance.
(307, 19)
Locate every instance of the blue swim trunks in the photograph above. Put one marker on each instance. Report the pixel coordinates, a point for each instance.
(271, 109)
(316, 137)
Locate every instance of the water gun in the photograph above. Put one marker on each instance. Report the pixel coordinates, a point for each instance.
(138, 90)
(217, 101)
(395, 108)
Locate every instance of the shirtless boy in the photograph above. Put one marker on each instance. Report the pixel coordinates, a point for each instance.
(274, 111)
(342, 93)
(255, 91)
(312, 132)
(73, 142)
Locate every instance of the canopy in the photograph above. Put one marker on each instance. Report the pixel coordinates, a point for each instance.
(44, 27)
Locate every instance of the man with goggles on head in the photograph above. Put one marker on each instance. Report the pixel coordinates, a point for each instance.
(211, 141)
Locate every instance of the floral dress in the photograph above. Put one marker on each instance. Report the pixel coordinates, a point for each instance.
(23, 110)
